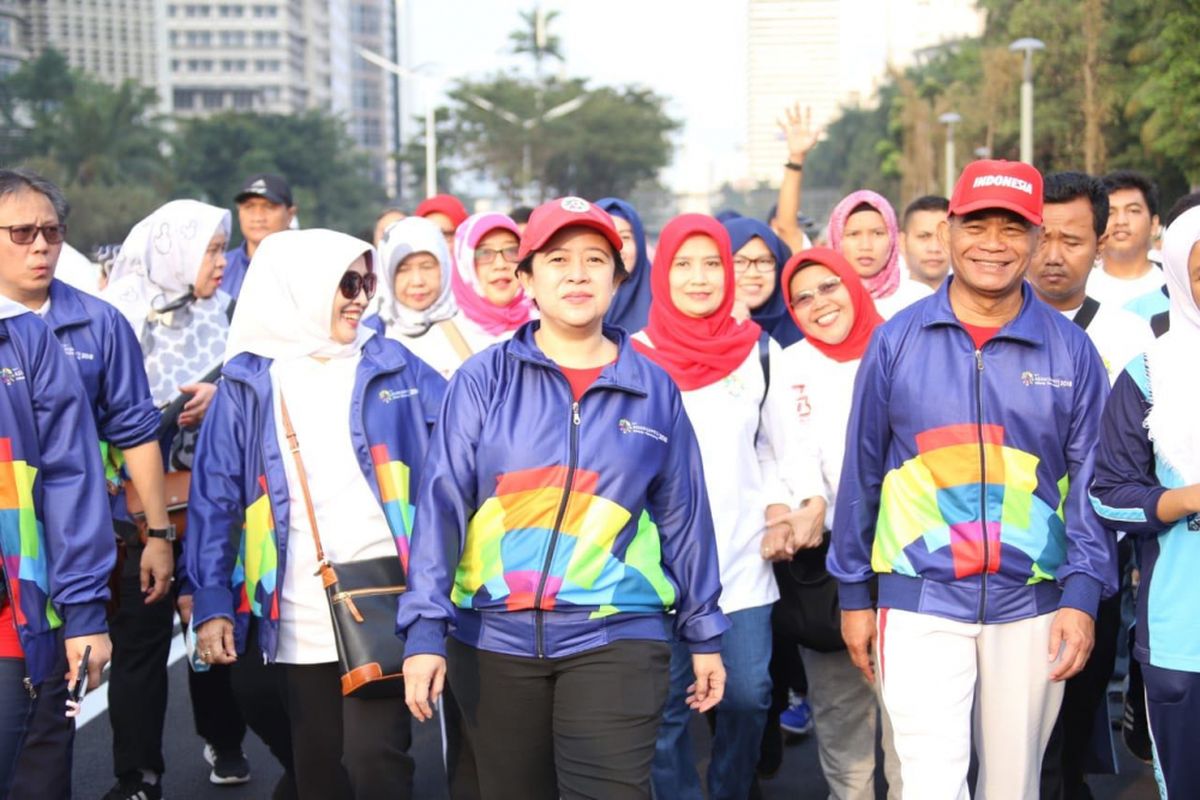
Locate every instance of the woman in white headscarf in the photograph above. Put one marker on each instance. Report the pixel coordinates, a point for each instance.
(165, 281)
(417, 306)
(1148, 485)
(361, 406)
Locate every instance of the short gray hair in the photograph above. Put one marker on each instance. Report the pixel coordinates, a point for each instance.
(13, 181)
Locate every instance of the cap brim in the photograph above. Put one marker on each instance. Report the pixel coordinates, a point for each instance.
(274, 198)
(609, 232)
(1004, 205)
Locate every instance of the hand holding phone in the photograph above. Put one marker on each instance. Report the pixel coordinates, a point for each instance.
(78, 687)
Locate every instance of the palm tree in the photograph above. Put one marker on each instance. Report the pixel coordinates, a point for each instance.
(535, 39)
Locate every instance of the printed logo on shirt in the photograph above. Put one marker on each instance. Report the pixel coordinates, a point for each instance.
(388, 395)
(10, 375)
(1007, 181)
(1033, 379)
(71, 352)
(625, 426)
(803, 406)
(1193, 522)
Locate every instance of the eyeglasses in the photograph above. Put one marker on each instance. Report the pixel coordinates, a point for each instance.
(26, 234)
(763, 264)
(486, 255)
(802, 300)
(354, 282)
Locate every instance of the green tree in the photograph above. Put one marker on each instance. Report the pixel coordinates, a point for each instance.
(534, 39)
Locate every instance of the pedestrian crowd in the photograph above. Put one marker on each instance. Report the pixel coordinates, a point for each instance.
(926, 487)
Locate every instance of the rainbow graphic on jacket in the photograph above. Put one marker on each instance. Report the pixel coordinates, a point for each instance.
(509, 536)
(256, 570)
(22, 539)
(393, 479)
(929, 514)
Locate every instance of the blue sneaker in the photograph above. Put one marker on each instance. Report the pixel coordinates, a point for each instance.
(797, 718)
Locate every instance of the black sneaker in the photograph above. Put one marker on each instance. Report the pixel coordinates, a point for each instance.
(229, 767)
(134, 788)
(1135, 726)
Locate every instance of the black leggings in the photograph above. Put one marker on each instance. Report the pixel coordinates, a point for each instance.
(582, 726)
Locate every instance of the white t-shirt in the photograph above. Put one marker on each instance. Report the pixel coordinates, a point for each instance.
(351, 521)
(907, 293)
(1124, 293)
(743, 477)
(1119, 337)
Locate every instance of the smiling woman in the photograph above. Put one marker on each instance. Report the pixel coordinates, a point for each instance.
(485, 279)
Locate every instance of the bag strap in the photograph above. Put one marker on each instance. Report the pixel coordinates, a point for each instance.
(457, 341)
(294, 446)
(1086, 312)
(764, 358)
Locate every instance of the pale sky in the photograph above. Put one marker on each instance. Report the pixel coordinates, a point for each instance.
(691, 52)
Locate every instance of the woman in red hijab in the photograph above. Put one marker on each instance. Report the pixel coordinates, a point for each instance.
(833, 308)
(721, 367)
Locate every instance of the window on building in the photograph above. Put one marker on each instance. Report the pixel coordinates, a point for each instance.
(6, 32)
(243, 99)
(213, 98)
(184, 98)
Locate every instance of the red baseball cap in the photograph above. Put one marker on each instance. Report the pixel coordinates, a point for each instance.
(566, 212)
(1011, 185)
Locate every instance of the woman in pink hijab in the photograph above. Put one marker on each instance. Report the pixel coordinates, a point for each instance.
(485, 283)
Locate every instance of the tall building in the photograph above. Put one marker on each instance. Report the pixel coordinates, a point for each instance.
(826, 54)
(12, 39)
(375, 100)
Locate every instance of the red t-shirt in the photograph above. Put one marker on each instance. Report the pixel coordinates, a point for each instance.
(980, 334)
(10, 645)
(581, 379)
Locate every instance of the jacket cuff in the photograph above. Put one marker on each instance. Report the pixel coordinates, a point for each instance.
(1081, 592)
(211, 602)
(84, 619)
(425, 636)
(855, 596)
(712, 645)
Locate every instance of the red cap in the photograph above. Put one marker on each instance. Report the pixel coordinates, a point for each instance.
(446, 204)
(550, 218)
(1011, 185)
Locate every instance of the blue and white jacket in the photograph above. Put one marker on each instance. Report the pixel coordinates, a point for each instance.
(238, 508)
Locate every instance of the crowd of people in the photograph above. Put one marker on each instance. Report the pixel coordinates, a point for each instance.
(921, 487)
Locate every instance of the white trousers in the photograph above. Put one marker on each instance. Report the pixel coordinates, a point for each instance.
(937, 673)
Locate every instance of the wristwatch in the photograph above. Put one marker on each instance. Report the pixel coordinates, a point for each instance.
(167, 533)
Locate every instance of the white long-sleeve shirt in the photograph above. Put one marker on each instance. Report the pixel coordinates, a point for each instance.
(751, 460)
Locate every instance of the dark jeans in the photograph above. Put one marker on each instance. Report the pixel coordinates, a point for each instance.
(43, 768)
(581, 726)
(344, 747)
(1173, 705)
(15, 704)
(261, 699)
(218, 720)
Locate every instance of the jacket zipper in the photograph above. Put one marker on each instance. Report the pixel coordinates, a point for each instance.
(987, 545)
(572, 462)
(347, 597)
(26, 682)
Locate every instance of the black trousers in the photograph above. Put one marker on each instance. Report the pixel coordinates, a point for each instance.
(214, 710)
(259, 692)
(583, 726)
(39, 772)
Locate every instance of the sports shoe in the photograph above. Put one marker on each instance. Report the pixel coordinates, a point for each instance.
(1135, 726)
(229, 767)
(134, 788)
(797, 718)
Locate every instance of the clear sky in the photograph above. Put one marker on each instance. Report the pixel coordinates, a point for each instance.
(693, 53)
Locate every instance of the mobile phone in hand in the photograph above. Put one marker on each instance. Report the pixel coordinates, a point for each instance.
(75, 698)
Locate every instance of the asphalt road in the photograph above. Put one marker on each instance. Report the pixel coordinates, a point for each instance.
(187, 773)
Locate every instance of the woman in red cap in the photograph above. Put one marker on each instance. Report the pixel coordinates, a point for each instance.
(722, 368)
(562, 519)
(446, 211)
(837, 315)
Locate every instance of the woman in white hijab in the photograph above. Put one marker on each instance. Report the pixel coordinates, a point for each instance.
(361, 406)
(165, 281)
(1148, 485)
(417, 305)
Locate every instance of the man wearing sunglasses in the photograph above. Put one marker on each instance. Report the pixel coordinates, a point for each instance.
(963, 499)
(56, 545)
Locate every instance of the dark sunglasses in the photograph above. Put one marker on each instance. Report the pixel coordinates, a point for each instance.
(354, 282)
(26, 234)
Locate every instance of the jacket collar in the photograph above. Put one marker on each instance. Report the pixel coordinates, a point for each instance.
(1028, 326)
(65, 309)
(377, 359)
(622, 374)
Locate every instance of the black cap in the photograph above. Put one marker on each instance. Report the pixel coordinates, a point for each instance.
(272, 187)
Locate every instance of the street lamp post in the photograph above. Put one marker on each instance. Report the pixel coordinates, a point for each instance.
(430, 132)
(950, 119)
(1028, 46)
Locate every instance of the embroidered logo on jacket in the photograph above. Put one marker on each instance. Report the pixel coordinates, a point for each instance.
(1033, 379)
(10, 375)
(389, 395)
(625, 426)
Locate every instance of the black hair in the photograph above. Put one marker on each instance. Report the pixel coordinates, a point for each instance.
(620, 272)
(1185, 203)
(390, 210)
(1132, 179)
(862, 207)
(930, 202)
(1063, 187)
(521, 214)
(13, 181)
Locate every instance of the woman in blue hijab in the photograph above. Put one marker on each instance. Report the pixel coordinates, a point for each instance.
(758, 256)
(631, 304)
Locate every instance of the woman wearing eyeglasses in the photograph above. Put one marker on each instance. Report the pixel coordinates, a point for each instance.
(485, 282)
(755, 479)
(830, 304)
(361, 406)
(758, 256)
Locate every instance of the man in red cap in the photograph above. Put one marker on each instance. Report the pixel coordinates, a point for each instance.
(963, 515)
